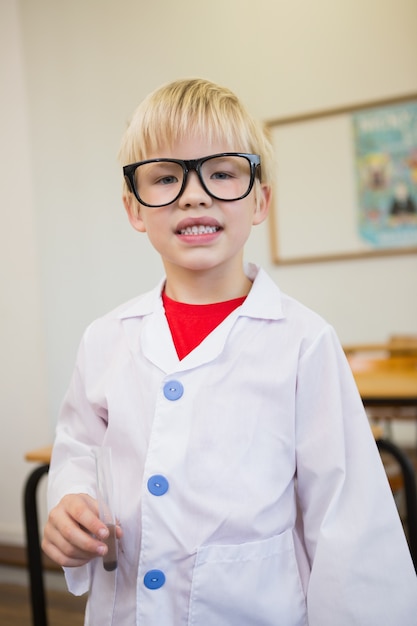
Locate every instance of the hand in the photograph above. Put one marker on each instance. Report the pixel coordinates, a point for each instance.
(74, 533)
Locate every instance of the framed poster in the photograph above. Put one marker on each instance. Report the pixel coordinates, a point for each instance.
(345, 183)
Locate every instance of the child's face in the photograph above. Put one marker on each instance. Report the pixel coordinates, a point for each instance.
(198, 232)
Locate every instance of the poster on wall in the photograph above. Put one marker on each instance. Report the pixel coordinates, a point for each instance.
(345, 182)
(386, 174)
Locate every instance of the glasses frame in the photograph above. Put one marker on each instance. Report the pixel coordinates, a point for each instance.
(193, 165)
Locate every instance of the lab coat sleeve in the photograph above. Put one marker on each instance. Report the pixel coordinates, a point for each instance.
(81, 425)
(361, 569)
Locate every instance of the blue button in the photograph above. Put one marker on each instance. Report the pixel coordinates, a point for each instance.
(173, 390)
(158, 485)
(154, 579)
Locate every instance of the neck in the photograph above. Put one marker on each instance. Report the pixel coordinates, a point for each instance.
(205, 287)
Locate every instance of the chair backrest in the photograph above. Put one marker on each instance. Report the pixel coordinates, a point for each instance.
(396, 346)
(403, 345)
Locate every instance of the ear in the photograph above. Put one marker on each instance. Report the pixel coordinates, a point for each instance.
(263, 202)
(132, 207)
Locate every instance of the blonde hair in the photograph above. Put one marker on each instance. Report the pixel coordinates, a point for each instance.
(194, 107)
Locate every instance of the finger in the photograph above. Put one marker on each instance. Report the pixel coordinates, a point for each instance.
(64, 559)
(84, 511)
(78, 548)
(65, 533)
(119, 530)
(70, 539)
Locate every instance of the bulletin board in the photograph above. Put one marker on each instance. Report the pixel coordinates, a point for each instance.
(345, 182)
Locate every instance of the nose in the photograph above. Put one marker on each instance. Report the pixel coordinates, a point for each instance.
(194, 193)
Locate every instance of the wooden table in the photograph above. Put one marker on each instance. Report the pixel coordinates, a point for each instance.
(386, 381)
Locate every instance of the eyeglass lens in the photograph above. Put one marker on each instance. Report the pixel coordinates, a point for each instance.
(225, 177)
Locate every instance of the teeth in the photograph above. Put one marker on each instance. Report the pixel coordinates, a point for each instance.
(198, 230)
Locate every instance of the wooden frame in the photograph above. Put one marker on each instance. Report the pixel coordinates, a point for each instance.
(320, 142)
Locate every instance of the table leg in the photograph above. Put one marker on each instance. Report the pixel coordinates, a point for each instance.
(37, 592)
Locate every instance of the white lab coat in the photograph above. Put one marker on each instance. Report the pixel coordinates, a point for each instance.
(277, 512)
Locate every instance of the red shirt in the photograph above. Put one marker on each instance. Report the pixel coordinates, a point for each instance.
(191, 323)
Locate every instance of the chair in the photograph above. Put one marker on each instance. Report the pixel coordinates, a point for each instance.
(403, 345)
(386, 376)
(407, 474)
(34, 554)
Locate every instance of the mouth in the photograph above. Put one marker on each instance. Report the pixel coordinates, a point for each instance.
(198, 230)
(198, 226)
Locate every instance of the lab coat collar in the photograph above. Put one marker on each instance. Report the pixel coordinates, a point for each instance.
(263, 302)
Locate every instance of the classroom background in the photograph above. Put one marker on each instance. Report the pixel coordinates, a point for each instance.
(71, 75)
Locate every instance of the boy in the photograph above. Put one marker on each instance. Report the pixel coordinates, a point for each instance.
(249, 488)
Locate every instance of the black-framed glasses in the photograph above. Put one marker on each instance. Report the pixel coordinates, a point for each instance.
(227, 176)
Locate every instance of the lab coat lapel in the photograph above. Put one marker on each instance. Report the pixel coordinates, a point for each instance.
(157, 344)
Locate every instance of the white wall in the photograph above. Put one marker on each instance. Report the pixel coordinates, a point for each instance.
(23, 396)
(86, 65)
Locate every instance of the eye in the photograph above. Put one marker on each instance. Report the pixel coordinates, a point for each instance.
(224, 169)
(221, 175)
(166, 180)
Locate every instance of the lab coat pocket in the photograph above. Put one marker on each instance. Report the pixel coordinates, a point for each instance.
(250, 584)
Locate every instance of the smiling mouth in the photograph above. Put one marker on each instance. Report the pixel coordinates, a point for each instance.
(199, 230)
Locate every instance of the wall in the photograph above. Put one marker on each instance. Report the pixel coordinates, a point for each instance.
(23, 394)
(85, 67)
